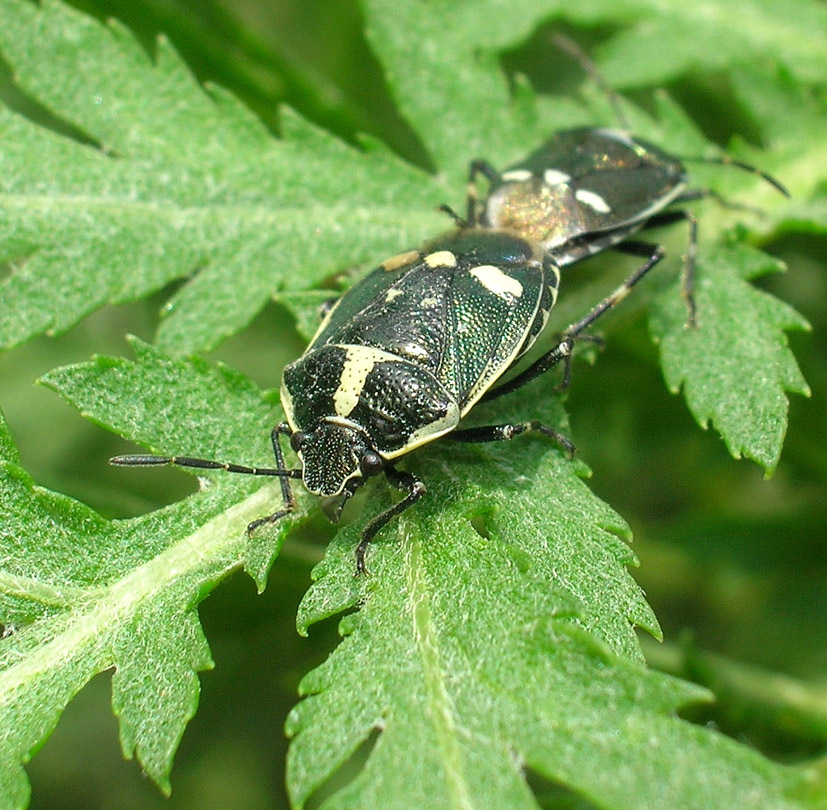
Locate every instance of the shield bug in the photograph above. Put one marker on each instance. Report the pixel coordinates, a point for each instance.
(400, 359)
(587, 190)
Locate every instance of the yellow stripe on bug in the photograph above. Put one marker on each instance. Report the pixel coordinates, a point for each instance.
(497, 282)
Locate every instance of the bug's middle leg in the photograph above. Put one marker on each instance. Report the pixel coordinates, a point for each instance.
(507, 431)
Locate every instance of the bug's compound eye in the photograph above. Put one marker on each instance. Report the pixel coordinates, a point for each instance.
(371, 464)
(298, 440)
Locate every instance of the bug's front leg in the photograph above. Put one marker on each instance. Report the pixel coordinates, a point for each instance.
(476, 168)
(289, 500)
(656, 252)
(403, 481)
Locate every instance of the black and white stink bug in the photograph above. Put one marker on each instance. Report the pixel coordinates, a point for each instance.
(400, 359)
(587, 190)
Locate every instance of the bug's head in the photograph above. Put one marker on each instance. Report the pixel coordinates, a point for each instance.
(336, 458)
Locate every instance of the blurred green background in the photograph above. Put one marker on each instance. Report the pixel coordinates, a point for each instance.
(733, 565)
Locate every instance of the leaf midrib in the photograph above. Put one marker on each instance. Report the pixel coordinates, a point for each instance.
(441, 708)
(220, 538)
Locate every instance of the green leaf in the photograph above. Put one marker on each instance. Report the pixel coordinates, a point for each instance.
(306, 307)
(171, 406)
(80, 595)
(497, 629)
(476, 646)
(732, 33)
(466, 113)
(535, 511)
(735, 367)
(184, 408)
(467, 661)
(498, 584)
(178, 182)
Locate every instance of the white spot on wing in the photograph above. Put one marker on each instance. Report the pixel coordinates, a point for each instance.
(593, 200)
(413, 350)
(516, 175)
(392, 293)
(617, 135)
(554, 177)
(442, 258)
(497, 282)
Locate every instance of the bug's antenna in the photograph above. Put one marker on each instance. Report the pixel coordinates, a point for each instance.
(570, 47)
(725, 160)
(199, 464)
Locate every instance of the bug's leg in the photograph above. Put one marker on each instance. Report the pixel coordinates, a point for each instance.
(654, 254)
(565, 382)
(403, 481)
(288, 498)
(476, 168)
(495, 433)
(562, 351)
(642, 249)
(668, 217)
(327, 305)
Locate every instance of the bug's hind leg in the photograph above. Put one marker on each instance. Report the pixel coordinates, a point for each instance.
(668, 217)
(561, 353)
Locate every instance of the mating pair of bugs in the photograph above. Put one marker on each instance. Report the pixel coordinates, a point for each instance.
(409, 350)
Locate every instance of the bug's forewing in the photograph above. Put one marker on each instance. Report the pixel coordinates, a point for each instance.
(465, 321)
(495, 315)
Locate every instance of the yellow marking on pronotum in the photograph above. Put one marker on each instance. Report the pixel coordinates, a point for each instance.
(359, 362)
(400, 260)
